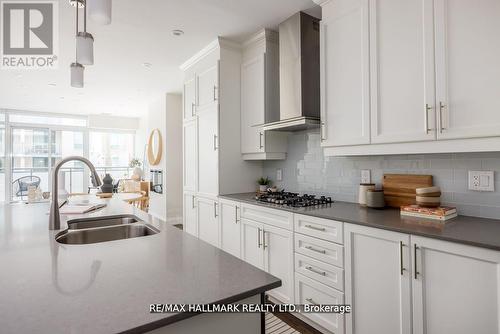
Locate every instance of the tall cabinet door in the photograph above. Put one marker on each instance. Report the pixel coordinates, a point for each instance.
(377, 281)
(189, 98)
(252, 104)
(208, 86)
(190, 164)
(402, 71)
(345, 98)
(456, 289)
(208, 220)
(230, 227)
(468, 67)
(190, 218)
(208, 152)
(278, 260)
(251, 243)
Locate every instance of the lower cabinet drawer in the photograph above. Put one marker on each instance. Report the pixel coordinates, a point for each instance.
(307, 291)
(320, 271)
(320, 250)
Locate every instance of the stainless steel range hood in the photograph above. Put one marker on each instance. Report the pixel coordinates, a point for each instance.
(299, 74)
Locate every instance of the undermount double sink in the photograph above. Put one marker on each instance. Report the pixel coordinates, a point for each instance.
(101, 229)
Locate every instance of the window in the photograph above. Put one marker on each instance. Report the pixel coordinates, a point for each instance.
(72, 174)
(45, 119)
(111, 152)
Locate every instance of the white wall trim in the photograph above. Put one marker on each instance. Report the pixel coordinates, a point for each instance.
(214, 45)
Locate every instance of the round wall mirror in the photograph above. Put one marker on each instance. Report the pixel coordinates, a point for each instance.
(155, 147)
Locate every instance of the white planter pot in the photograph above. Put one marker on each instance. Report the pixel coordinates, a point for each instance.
(262, 188)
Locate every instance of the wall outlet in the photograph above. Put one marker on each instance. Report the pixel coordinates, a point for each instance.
(279, 174)
(481, 180)
(366, 176)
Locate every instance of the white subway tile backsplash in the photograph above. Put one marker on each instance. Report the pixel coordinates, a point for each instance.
(307, 170)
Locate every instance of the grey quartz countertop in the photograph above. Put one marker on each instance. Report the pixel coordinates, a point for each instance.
(474, 231)
(47, 287)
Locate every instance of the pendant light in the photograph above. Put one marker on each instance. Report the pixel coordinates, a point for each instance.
(84, 43)
(77, 68)
(100, 11)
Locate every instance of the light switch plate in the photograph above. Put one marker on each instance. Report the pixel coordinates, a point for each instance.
(366, 176)
(481, 180)
(279, 174)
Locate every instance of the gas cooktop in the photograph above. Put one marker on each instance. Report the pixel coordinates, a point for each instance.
(292, 199)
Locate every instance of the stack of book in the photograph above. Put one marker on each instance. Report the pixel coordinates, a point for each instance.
(442, 213)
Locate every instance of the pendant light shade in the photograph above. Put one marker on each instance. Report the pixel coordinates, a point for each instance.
(99, 11)
(77, 75)
(85, 48)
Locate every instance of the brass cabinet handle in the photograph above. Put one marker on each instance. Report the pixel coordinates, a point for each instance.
(258, 238)
(401, 265)
(311, 301)
(322, 251)
(428, 108)
(323, 273)
(322, 229)
(416, 273)
(441, 107)
(260, 139)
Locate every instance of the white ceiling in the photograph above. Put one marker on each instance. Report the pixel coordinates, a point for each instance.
(140, 32)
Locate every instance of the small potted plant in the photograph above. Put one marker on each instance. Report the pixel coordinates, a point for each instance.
(263, 183)
(137, 171)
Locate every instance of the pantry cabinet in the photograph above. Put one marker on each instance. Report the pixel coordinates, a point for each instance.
(429, 86)
(208, 85)
(455, 288)
(190, 155)
(208, 151)
(377, 281)
(189, 98)
(230, 227)
(260, 98)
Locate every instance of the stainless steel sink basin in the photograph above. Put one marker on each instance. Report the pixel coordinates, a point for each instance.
(101, 229)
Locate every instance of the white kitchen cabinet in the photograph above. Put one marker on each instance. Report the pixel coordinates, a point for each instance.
(208, 152)
(190, 220)
(345, 79)
(207, 86)
(455, 288)
(207, 211)
(260, 98)
(230, 227)
(189, 99)
(467, 68)
(189, 155)
(377, 281)
(278, 260)
(402, 71)
(251, 243)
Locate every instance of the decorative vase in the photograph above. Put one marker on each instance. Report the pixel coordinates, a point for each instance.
(107, 184)
(136, 174)
(263, 187)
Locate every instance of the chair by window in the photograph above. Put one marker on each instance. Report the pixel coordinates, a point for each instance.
(21, 185)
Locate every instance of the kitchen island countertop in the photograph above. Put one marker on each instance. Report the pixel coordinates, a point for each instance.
(47, 287)
(475, 231)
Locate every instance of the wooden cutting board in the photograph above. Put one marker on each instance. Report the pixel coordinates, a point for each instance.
(400, 189)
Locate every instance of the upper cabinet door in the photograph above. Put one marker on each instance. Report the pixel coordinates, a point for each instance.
(468, 68)
(208, 86)
(456, 289)
(208, 152)
(189, 97)
(402, 71)
(189, 155)
(345, 103)
(252, 104)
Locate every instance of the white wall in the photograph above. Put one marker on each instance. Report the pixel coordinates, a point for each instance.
(165, 114)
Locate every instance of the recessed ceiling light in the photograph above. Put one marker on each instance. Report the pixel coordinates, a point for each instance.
(52, 84)
(61, 97)
(147, 65)
(177, 32)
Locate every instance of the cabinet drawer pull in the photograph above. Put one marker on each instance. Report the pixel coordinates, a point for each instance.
(236, 220)
(264, 246)
(193, 112)
(428, 108)
(311, 301)
(322, 229)
(442, 106)
(215, 142)
(215, 210)
(322, 131)
(215, 95)
(322, 251)
(258, 238)
(416, 273)
(260, 140)
(322, 273)
(192, 202)
(401, 265)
